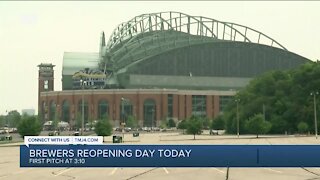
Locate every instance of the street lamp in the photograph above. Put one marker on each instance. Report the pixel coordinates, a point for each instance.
(56, 117)
(82, 84)
(237, 101)
(315, 112)
(7, 119)
(152, 118)
(123, 100)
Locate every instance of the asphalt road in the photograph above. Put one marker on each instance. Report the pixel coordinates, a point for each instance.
(10, 170)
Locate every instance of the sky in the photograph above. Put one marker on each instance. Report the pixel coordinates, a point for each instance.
(40, 32)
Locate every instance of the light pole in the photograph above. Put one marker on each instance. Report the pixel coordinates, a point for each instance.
(152, 118)
(7, 118)
(122, 110)
(82, 83)
(122, 116)
(315, 112)
(56, 117)
(237, 101)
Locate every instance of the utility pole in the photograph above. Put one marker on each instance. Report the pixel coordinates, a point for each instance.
(315, 113)
(82, 83)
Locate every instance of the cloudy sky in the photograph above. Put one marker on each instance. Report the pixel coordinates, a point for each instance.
(36, 32)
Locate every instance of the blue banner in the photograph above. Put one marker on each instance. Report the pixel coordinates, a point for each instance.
(170, 156)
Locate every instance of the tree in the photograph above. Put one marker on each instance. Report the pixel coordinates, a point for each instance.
(163, 124)
(257, 125)
(218, 123)
(171, 123)
(29, 126)
(302, 127)
(194, 126)
(103, 127)
(279, 125)
(2, 120)
(40, 117)
(13, 118)
(205, 122)
(132, 122)
(182, 124)
(284, 96)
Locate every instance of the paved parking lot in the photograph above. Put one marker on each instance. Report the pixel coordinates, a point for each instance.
(10, 170)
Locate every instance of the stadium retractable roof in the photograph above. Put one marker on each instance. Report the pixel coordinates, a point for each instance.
(147, 35)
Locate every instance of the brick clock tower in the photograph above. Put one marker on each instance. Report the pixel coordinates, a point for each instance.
(45, 83)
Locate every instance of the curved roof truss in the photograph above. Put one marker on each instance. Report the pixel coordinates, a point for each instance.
(194, 25)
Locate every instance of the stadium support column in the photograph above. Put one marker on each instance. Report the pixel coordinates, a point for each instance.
(216, 106)
(209, 106)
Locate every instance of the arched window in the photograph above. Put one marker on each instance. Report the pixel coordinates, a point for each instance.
(103, 109)
(65, 111)
(52, 112)
(149, 111)
(79, 114)
(125, 109)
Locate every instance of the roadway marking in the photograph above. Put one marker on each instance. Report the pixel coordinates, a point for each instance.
(273, 170)
(63, 171)
(220, 171)
(113, 171)
(165, 169)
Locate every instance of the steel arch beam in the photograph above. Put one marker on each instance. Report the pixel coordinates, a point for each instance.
(122, 31)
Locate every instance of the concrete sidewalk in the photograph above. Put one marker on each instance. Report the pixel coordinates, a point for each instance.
(9, 144)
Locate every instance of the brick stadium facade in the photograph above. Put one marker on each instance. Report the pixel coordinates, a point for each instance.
(180, 106)
(160, 71)
(148, 106)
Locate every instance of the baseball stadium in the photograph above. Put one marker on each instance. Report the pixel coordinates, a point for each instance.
(158, 66)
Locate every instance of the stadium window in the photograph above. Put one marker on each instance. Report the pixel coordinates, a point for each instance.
(224, 100)
(65, 111)
(149, 111)
(86, 115)
(199, 105)
(103, 109)
(127, 109)
(52, 112)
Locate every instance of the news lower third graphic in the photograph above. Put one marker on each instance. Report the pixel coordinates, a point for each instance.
(89, 151)
(66, 140)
